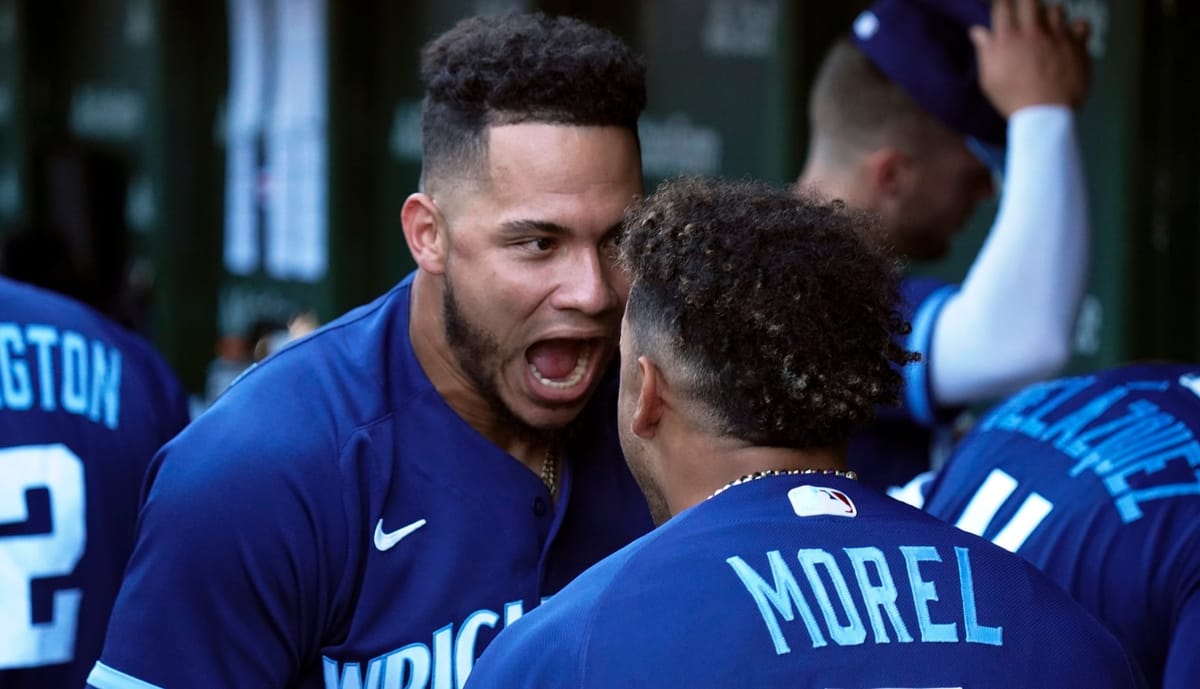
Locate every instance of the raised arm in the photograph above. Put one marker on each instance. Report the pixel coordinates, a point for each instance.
(1012, 320)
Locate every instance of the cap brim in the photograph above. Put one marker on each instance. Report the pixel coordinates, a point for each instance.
(993, 156)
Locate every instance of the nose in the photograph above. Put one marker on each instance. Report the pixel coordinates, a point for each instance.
(588, 283)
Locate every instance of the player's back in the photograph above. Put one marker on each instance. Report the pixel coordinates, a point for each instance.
(807, 581)
(84, 405)
(1094, 480)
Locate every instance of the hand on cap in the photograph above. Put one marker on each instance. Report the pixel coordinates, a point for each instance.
(1032, 56)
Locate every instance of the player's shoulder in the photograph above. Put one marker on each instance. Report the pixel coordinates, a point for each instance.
(240, 472)
(345, 375)
(1047, 615)
(1003, 577)
(895, 522)
(578, 602)
(1174, 385)
(551, 640)
(25, 303)
(607, 575)
(1062, 634)
(1169, 371)
(1093, 408)
(1169, 381)
(16, 292)
(290, 419)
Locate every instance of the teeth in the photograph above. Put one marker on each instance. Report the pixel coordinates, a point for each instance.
(572, 379)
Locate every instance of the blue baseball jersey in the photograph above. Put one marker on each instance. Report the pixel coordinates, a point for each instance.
(332, 522)
(1094, 479)
(807, 581)
(899, 444)
(84, 405)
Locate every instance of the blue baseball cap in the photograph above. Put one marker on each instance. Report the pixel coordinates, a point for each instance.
(923, 47)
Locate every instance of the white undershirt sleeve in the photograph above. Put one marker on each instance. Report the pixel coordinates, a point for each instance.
(1012, 320)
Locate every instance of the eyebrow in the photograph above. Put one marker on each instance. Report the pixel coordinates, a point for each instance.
(520, 227)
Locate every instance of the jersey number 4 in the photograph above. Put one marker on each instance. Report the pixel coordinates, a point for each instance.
(995, 491)
(23, 558)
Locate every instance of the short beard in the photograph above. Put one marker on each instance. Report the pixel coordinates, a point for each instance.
(477, 354)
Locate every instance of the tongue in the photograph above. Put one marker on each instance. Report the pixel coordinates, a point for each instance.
(554, 359)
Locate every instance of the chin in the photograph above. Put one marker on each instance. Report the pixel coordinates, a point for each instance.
(555, 418)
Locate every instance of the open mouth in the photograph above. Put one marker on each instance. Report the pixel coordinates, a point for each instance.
(560, 364)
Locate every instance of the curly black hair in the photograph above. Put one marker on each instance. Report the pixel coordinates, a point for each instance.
(777, 313)
(515, 68)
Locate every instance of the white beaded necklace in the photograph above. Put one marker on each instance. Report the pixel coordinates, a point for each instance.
(782, 472)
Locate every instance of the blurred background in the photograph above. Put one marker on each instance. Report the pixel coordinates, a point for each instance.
(211, 172)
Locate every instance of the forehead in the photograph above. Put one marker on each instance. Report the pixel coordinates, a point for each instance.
(585, 175)
(562, 158)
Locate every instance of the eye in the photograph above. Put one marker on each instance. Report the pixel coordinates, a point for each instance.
(539, 245)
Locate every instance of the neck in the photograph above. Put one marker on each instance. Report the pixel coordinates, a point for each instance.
(753, 459)
(747, 478)
(427, 330)
(724, 461)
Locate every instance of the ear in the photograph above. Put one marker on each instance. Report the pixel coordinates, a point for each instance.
(425, 232)
(888, 172)
(650, 403)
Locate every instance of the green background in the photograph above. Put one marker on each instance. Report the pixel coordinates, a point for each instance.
(142, 84)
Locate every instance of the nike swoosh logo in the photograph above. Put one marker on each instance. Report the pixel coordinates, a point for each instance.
(384, 540)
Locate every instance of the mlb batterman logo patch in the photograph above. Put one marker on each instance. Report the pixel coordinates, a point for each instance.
(1191, 381)
(814, 501)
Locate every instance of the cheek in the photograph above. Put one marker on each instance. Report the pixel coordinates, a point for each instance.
(517, 307)
(955, 197)
(493, 302)
(974, 182)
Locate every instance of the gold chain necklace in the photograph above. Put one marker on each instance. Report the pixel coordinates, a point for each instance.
(550, 469)
(782, 472)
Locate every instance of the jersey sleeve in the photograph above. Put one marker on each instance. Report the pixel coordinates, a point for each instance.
(1011, 323)
(240, 549)
(924, 298)
(540, 651)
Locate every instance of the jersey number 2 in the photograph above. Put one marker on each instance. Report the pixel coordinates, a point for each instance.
(23, 558)
(982, 508)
